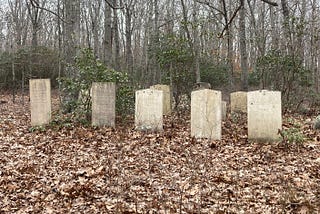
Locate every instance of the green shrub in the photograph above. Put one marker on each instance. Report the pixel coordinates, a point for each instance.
(254, 78)
(292, 135)
(286, 73)
(176, 61)
(215, 74)
(89, 70)
(27, 63)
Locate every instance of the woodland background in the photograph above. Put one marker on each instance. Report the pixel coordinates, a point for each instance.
(71, 166)
(232, 44)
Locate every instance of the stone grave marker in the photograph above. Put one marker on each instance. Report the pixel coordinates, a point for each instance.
(40, 101)
(238, 101)
(149, 110)
(264, 115)
(103, 104)
(166, 97)
(223, 110)
(206, 114)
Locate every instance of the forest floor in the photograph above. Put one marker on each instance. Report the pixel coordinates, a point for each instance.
(79, 169)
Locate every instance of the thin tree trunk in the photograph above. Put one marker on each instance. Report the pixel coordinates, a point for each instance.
(314, 44)
(72, 30)
(286, 28)
(185, 24)
(115, 33)
(196, 45)
(35, 15)
(229, 44)
(59, 48)
(129, 56)
(156, 40)
(107, 41)
(71, 43)
(94, 11)
(274, 33)
(243, 47)
(301, 31)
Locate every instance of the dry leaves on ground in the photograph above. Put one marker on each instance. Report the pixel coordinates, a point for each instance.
(103, 170)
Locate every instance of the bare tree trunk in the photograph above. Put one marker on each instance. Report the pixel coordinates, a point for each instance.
(156, 35)
(128, 35)
(146, 45)
(185, 23)
(71, 30)
(314, 46)
(196, 45)
(286, 28)
(18, 14)
(107, 40)
(301, 30)
(71, 42)
(87, 36)
(229, 44)
(193, 44)
(243, 47)
(94, 11)
(116, 36)
(274, 33)
(35, 16)
(169, 17)
(60, 51)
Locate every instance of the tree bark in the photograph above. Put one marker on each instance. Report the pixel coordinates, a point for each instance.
(243, 47)
(107, 40)
(196, 45)
(71, 30)
(274, 33)
(156, 35)
(35, 16)
(286, 26)
(71, 45)
(128, 35)
(18, 14)
(94, 11)
(229, 45)
(115, 33)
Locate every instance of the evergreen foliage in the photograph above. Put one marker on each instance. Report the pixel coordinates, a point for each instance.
(89, 70)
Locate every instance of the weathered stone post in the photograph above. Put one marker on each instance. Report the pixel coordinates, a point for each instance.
(40, 101)
(103, 104)
(206, 114)
(149, 110)
(238, 101)
(264, 115)
(166, 97)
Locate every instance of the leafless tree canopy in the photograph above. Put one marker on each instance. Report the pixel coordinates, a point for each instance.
(126, 34)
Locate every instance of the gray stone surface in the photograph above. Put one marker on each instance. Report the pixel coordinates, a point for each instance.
(223, 110)
(149, 110)
(206, 113)
(201, 85)
(238, 101)
(316, 123)
(264, 115)
(103, 104)
(167, 103)
(40, 101)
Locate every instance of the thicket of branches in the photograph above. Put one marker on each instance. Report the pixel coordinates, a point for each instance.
(233, 44)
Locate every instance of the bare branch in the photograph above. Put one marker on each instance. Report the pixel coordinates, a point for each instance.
(35, 4)
(229, 22)
(113, 6)
(210, 5)
(231, 19)
(270, 2)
